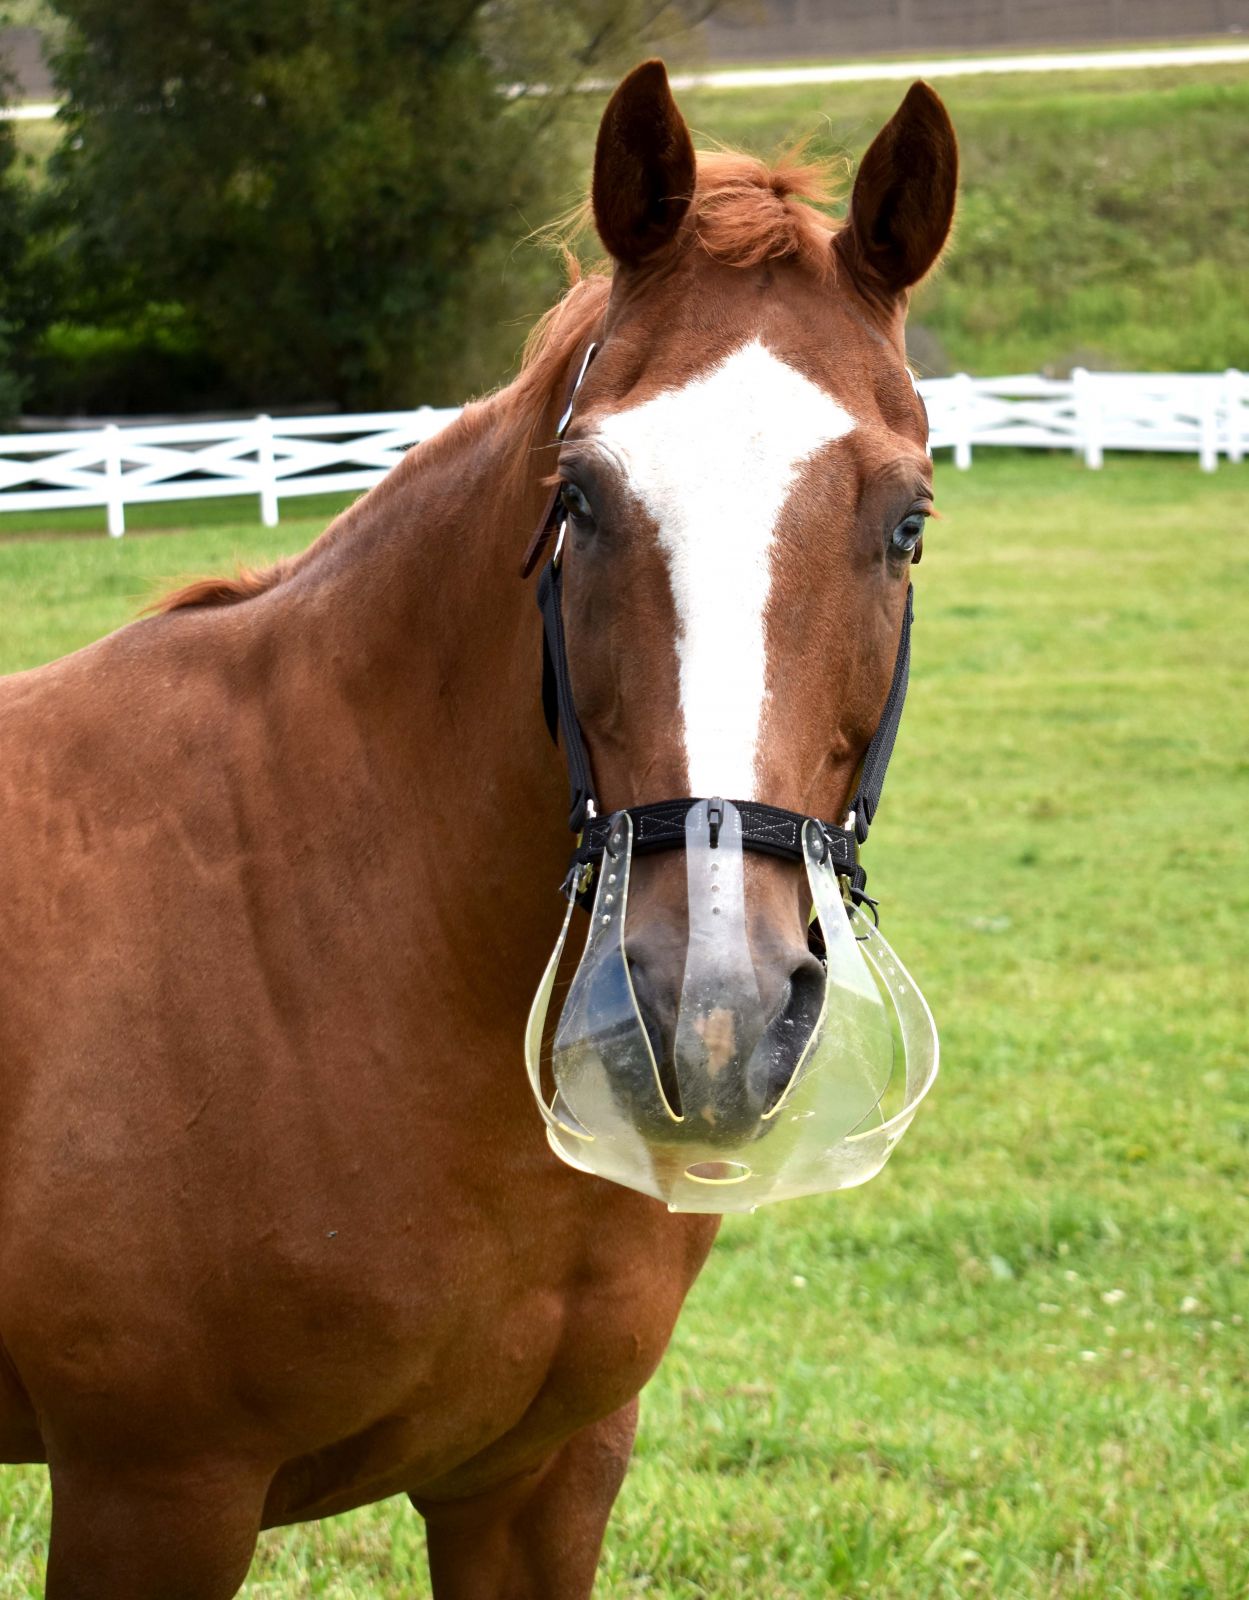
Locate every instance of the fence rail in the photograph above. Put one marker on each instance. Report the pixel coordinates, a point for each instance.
(1197, 413)
(1201, 414)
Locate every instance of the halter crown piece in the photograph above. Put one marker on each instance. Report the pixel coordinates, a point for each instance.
(752, 1106)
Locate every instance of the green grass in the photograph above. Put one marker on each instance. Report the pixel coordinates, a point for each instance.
(1016, 1365)
(58, 592)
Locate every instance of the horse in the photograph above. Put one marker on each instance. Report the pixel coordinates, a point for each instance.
(280, 1231)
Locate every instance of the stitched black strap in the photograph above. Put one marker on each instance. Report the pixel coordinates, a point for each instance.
(768, 829)
(557, 700)
(876, 761)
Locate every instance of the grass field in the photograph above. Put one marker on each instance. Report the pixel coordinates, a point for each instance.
(1017, 1365)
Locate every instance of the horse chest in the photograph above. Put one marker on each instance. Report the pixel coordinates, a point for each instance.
(534, 1333)
(566, 1324)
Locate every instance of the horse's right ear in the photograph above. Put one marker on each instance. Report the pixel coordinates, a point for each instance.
(903, 200)
(643, 167)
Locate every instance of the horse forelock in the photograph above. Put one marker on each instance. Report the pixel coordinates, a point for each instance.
(746, 211)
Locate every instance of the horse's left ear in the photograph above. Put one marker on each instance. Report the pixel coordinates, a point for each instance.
(903, 200)
(643, 167)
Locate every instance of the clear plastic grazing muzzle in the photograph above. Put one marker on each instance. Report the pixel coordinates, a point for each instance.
(749, 1103)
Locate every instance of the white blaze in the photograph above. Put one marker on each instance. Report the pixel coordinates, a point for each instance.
(714, 463)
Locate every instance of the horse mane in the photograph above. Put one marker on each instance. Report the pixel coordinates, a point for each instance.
(246, 584)
(744, 211)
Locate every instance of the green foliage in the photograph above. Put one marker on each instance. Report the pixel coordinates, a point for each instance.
(13, 211)
(1016, 1365)
(1102, 218)
(328, 192)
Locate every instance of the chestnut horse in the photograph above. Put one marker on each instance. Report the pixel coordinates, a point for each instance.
(280, 1233)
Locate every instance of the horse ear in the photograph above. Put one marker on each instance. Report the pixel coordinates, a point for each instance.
(643, 167)
(903, 199)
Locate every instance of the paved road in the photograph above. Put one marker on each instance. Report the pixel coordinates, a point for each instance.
(960, 67)
(889, 71)
(34, 112)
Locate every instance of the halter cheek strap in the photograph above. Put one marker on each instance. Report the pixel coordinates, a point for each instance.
(557, 701)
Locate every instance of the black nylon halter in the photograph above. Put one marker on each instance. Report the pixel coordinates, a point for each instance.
(661, 825)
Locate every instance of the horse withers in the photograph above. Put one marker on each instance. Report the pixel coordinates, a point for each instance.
(280, 1231)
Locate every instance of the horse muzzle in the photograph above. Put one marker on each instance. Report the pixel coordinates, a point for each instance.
(727, 1099)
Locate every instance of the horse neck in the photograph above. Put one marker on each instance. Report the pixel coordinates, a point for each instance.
(415, 605)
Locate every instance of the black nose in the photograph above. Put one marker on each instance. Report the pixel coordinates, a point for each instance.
(732, 1063)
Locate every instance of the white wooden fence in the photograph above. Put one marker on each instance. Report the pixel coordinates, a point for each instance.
(271, 458)
(1201, 414)
(1194, 413)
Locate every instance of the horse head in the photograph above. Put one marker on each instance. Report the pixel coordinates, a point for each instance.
(743, 484)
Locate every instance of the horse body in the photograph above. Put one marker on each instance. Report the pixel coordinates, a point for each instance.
(280, 1232)
(354, 1090)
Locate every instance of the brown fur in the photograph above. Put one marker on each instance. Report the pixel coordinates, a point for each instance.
(748, 211)
(280, 1232)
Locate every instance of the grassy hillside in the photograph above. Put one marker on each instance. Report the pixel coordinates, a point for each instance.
(1104, 219)
(1016, 1366)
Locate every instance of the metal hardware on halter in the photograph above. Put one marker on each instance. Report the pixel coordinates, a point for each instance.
(715, 820)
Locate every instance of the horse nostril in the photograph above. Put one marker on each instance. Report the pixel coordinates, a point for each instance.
(726, 1071)
(792, 1024)
(659, 1020)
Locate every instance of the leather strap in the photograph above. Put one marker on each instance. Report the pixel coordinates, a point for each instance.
(547, 524)
(557, 700)
(549, 520)
(768, 829)
(876, 761)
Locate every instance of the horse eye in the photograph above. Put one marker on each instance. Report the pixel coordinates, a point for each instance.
(575, 503)
(907, 535)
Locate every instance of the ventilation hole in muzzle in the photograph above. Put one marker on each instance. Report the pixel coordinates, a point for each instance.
(792, 1024)
(718, 1172)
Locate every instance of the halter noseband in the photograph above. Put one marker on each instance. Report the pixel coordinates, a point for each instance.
(661, 825)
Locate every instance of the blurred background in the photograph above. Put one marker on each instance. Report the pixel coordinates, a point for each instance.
(1016, 1364)
(271, 206)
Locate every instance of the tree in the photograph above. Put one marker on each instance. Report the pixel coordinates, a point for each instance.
(327, 192)
(14, 283)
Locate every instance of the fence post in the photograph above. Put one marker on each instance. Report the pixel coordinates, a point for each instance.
(266, 472)
(964, 399)
(1088, 417)
(114, 488)
(1208, 447)
(1233, 396)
